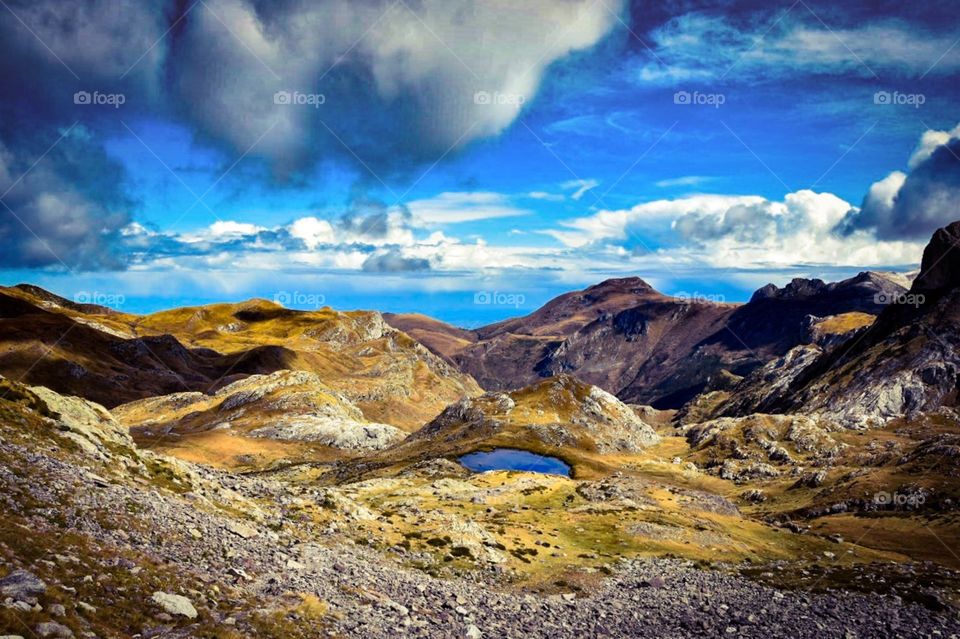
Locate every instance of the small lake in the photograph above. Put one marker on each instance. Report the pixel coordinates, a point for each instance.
(513, 459)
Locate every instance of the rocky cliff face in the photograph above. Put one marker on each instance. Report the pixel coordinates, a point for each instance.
(906, 363)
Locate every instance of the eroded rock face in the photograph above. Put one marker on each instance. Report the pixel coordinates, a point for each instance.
(89, 425)
(293, 405)
(907, 362)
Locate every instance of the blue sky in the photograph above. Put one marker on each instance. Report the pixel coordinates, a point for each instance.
(420, 156)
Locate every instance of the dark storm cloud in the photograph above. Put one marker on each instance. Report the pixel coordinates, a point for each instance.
(394, 262)
(911, 207)
(64, 211)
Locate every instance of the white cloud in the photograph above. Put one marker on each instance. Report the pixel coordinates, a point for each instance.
(744, 232)
(615, 225)
(695, 46)
(581, 186)
(685, 180)
(313, 232)
(930, 141)
(454, 208)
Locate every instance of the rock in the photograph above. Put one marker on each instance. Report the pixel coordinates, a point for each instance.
(653, 582)
(57, 610)
(54, 629)
(473, 632)
(940, 267)
(241, 530)
(86, 608)
(21, 585)
(175, 604)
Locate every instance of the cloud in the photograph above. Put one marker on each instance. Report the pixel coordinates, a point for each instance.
(394, 262)
(912, 205)
(63, 212)
(697, 46)
(581, 186)
(685, 180)
(452, 70)
(291, 82)
(621, 225)
(732, 231)
(455, 208)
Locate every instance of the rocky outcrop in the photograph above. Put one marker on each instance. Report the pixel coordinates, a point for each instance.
(291, 405)
(557, 412)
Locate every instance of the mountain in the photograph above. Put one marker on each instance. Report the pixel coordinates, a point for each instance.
(114, 358)
(906, 363)
(649, 348)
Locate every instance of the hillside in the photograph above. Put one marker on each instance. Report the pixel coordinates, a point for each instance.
(115, 358)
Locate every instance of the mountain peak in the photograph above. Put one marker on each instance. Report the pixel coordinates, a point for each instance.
(940, 268)
(632, 284)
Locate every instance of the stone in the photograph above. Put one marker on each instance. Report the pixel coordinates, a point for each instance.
(242, 530)
(175, 604)
(21, 585)
(54, 630)
(473, 632)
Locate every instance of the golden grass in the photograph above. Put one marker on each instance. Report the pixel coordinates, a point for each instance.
(845, 322)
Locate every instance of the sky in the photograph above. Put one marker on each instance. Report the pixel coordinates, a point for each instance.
(469, 160)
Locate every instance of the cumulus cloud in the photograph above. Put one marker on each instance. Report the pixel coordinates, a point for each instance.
(621, 225)
(745, 232)
(912, 205)
(453, 70)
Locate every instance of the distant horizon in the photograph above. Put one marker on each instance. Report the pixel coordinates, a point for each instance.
(467, 309)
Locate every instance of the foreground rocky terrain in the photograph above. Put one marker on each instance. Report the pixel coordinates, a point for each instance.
(103, 539)
(243, 470)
